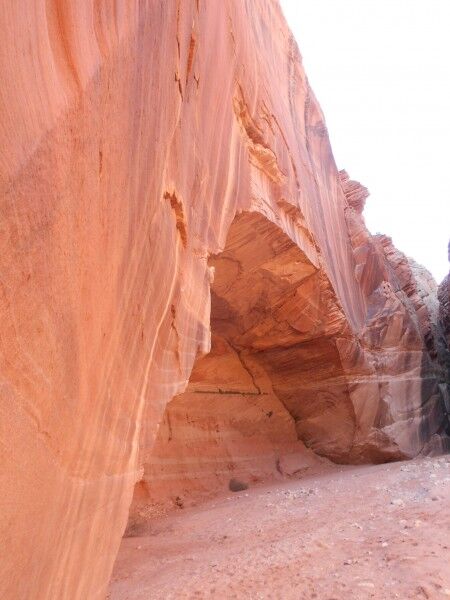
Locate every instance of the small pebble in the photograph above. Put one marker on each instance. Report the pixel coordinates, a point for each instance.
(397, 502)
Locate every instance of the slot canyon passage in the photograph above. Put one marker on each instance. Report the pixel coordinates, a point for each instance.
(215, 382)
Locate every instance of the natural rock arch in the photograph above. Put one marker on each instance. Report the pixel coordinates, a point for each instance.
(272, 384)
(287, 381)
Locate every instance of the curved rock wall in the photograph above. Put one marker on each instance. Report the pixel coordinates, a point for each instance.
(132, 134)
(282, 343)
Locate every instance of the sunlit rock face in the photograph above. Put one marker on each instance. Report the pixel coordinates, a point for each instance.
(166, 172)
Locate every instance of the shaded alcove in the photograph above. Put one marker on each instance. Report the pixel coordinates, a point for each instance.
(271, 395)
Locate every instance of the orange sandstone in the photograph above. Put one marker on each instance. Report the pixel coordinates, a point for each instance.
(166, 171)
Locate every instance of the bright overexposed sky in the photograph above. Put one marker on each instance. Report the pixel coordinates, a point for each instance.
(381, 72)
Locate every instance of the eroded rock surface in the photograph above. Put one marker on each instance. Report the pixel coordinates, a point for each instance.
(443, 346)
(165, 171)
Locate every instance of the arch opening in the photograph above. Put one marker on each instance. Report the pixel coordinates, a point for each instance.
(270, 400)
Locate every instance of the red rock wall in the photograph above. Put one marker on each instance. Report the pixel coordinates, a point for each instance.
(228, 426)
(281, 341)
(132, 135)
(443, 334)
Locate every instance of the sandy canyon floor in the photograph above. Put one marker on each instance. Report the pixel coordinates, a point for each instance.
(378, 532)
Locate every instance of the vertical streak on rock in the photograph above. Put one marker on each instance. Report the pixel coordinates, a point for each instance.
(96, 127)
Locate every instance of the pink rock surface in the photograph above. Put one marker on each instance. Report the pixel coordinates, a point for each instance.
(443, 336)
(144, 145)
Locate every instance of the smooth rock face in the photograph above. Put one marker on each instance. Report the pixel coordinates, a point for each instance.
(165, 172)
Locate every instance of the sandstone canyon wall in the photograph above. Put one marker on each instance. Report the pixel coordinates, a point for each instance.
(166, 172)
(443, 334)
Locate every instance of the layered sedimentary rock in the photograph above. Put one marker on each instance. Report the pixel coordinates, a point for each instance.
(281, 341)
(443, 347)
(165, 172)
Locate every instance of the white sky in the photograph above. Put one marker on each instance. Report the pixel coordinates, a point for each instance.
(381, 72)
